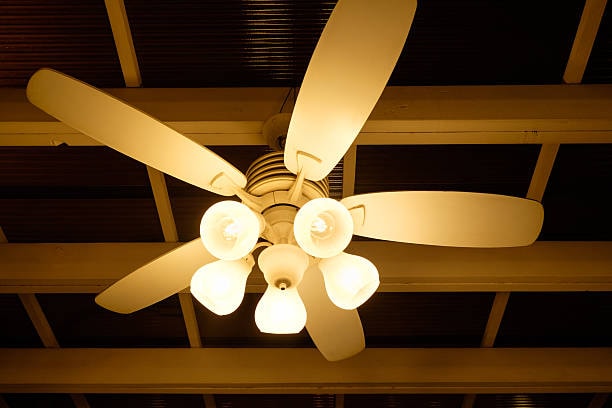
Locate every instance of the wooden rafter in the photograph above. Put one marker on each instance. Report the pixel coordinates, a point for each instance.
(202, 370)
(583, 42)
(543, 266)
(404, 115)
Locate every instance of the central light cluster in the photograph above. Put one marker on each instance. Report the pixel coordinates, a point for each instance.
(322, 228)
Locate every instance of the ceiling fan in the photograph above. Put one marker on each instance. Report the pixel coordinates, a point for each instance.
(312, 282)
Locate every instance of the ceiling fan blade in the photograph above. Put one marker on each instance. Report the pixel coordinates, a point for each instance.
(447, 218)
(347, 73)
(131, 132)
(336, 332)
(155, 281)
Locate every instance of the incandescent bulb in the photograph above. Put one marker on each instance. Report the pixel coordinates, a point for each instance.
(230, 230)
(280, 311)
(323, 227)
(350, 280)
(220, 285)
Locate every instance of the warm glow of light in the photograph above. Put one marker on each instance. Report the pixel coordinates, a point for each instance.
(229, 230)
(323, 227)
(280, 311)
(220, 285)
(350, 280)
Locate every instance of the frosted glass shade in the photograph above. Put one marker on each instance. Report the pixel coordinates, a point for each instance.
(220, 285)
(323, 227)
(230, 230)
(280, 311)
(350, 280)
(283, 262)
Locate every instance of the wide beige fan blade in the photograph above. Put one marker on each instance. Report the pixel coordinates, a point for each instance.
(155, 281)
(336, 332)
(447, 218)
(347, 73)
(131, 132)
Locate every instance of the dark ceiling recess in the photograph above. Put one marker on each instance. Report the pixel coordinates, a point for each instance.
(75, 194)
(73, 36)
(269, 43)
(425, 319)
(578, 319)
(500, 169)
(78, 321)
(533, 401)
(14, 316)
(275, 401)
(577, 200)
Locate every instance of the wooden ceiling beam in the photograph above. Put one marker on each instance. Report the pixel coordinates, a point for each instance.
(122, 35)
(590, 21)
(305, 371)
(543, 266)
(404, 115)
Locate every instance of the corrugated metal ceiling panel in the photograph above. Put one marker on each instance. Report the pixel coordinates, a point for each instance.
(73, 36)
(580, 319)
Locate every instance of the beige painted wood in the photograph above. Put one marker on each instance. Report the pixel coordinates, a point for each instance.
(196, 370)
(123, 42)
(446, 218)
(191, 322)
(495, 318)
(349, 166)
(583, 42)
(162, 203)
(3, 239)
(79, 400)
(544, 166)
(468, 401)
(209, 401)
(403, 115)
(543, 266)
(162, 278)
(598, 401)
(39, 320)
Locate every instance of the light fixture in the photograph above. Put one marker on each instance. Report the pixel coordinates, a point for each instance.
(220, 285)
(350, 280)
(323, 227)
(281, 310)
(230, 230)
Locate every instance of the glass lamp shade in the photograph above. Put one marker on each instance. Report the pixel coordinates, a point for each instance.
(280, 311)
(230, 230)
(350, 280)
(323, 227)
(220, 285)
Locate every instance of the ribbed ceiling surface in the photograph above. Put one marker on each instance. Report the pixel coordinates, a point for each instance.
(93, 194)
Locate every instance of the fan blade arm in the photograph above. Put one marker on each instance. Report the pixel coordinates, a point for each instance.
(132, 132)
(447, 218)
(336, 332)
(346, 75)
(156, 280)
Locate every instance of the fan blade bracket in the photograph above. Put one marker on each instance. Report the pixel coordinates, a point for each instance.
(346, 75)
(358, 213)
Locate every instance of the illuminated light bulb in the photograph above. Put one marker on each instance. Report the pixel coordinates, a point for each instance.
(229, 230)
(280, 311)
(220, 285)
(350, 280)
(323, 227)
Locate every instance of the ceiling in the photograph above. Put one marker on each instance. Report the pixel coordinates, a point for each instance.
(77, 192)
